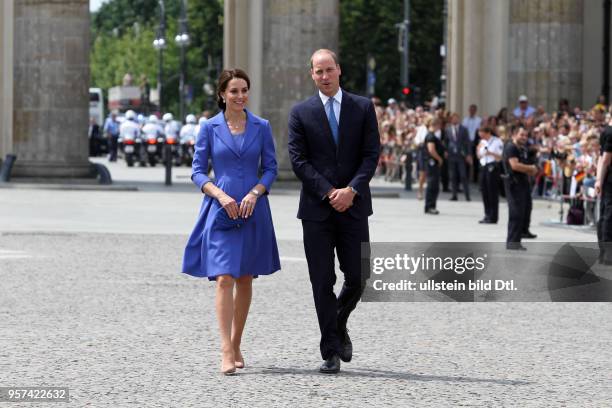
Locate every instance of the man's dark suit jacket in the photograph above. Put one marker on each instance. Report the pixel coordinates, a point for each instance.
(321, 166)
(462, 144)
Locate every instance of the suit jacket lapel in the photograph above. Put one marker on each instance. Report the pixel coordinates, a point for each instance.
(321, 117)
(345, 112)
(250, 132)
(222, 131)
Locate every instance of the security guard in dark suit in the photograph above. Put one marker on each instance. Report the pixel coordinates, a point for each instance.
(516, 182)
(532, 158)
(603, 188)
(434, 160)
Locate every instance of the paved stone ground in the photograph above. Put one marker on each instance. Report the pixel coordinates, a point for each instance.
(91, 298)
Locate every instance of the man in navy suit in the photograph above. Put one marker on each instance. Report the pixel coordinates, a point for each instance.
(459, 148)
(334, 147)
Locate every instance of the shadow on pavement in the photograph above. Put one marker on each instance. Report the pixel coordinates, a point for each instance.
(373, 373)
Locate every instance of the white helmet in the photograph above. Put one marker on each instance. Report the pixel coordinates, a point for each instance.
(152, 119)
(130, 115)
(190, 119)
(202, 120)
(140, 118)
(167, 117)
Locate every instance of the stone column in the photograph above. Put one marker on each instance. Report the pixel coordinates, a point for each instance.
(545, 58)
(293, 29)
(6, 77)
(281, 35)
(51, 88)
(592, 52)
(243, 43)
(478, 44)
(454, 74)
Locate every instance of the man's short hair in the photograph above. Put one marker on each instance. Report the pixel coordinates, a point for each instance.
(324, 50)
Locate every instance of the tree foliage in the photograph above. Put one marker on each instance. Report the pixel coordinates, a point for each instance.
(123, 32)
(367, 27)
(122, 36)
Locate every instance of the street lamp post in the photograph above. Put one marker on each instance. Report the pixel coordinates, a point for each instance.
(160, 44)
(607, 6)
(182, 40)
(444, 54)
(404, 46)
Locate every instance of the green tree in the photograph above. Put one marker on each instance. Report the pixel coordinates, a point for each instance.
(367, 27)
(122, 37)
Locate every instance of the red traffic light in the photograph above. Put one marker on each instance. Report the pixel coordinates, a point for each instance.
(406, 90)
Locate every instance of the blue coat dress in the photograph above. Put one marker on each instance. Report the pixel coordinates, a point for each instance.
(250, 249)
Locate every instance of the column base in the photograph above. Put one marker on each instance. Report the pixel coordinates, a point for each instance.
(41, 170)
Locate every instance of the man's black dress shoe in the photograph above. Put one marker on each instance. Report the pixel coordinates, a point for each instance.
(331, 365)
(453, 199)
(515, 246)
(347, 346)
(485, 221)
(528, 234)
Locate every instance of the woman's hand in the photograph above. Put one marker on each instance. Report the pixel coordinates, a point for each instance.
(247, 205)
(229, 204)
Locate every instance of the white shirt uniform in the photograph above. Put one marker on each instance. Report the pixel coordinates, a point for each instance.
(129, 129)
(188, 131)
(172, 129)
(152, 130)
(493, 145)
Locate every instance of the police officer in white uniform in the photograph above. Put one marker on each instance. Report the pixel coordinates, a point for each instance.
(171, 128)
(129, 130)
(188, 131)
(489, 151)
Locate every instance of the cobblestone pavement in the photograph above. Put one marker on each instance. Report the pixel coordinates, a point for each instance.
(110, 317)
(91, 298)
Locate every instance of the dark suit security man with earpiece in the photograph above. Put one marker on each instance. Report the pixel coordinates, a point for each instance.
(516, 181)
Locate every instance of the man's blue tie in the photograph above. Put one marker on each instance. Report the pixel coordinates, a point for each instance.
(331, 117)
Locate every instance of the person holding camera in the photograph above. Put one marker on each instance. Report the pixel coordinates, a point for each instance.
(516, 183)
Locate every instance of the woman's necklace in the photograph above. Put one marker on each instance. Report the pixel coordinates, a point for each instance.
(235, 125)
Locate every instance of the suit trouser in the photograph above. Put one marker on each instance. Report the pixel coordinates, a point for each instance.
(476, 167)
(344, 233)
(113, 146)
(527, 222)
(433, 185)
(604, 225)
(517, 195)
(489, 184)
(459, 173)
(444, 175)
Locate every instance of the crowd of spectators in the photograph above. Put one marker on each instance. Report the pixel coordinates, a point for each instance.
(564, 144)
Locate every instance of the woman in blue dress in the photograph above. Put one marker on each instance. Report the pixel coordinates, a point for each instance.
(233, 240)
